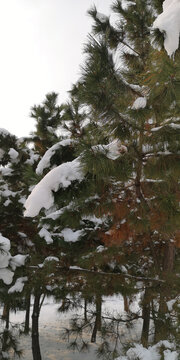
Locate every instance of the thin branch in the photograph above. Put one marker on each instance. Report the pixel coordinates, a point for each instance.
(117, 274)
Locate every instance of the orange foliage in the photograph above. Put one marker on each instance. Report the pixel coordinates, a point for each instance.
(122, 230)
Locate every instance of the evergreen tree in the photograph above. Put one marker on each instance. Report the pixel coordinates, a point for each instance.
(129, 150)
(104, 168)
(133, 90)
(48, 120)
(13, 190)
(64, 221)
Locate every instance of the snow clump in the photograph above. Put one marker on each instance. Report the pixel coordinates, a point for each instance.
(18, 286)
(112, 150)
(4, 132)
(45, 161)
(43, 233)
(71, 236)
(6, 260)
(169, 22)
(13, 155)
(139, 103)
(4, 252)
(42, 194)
(152, 352)
(101, 17)
(17, 261)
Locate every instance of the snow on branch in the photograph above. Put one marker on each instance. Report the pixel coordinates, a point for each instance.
(42, 194)
(6, 260)
(45, 161)
(153, 352)
(169, 22)
(112, 150)
(44, 233)
(13, 155)
(18, 286)
(101, 17)
(139, 103)
(70, 235)
(4, 132)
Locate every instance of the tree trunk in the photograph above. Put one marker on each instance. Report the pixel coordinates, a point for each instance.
(5, 337)
(97, 324)
(126, 303)
(85, 310)
(5, 315)
(161, 328)
(28, 304)
(169, 256)
(146, 318)
(35, 328)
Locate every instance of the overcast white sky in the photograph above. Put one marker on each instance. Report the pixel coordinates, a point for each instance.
(41, 44)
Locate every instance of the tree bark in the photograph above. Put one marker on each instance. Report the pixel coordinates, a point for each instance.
(161, 328)
(126, 303)
(35, 328)
(97, 324)
(169, 256)
(85, 310)
(28, 304)
(5, 315)
(146, 318)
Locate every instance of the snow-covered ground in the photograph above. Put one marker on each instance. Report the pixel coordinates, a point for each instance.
(55, 347)
(52, 324)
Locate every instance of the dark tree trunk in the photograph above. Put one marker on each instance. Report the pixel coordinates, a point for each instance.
(146, 318)
(7, 319)
(169, 256)
(28, 304)
(5, 315)
(5, 340)
(161, 328)
(94, 333)
(85, 310)
(162, 323)
(35, 328)
(126, 303)
(5, 337)
(97, 324)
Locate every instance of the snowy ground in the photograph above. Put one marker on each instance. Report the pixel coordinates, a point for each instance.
(55, 347)
(51, 325)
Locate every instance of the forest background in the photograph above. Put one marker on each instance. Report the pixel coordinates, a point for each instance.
(101, 172)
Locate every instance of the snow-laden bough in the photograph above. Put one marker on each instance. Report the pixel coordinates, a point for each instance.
(44, 163)
(169, 22)
(60, 177)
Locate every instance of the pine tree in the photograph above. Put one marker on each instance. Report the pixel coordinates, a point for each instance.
(105, 170)
(48, 119)
(133, 91)
(129, 148)
(57, 148)
(13, 190)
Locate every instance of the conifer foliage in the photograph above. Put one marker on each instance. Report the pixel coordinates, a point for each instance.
(128, 152)
(105, 165)
(95, 187)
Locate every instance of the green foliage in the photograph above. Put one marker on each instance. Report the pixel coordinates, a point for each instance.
(48, 117)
